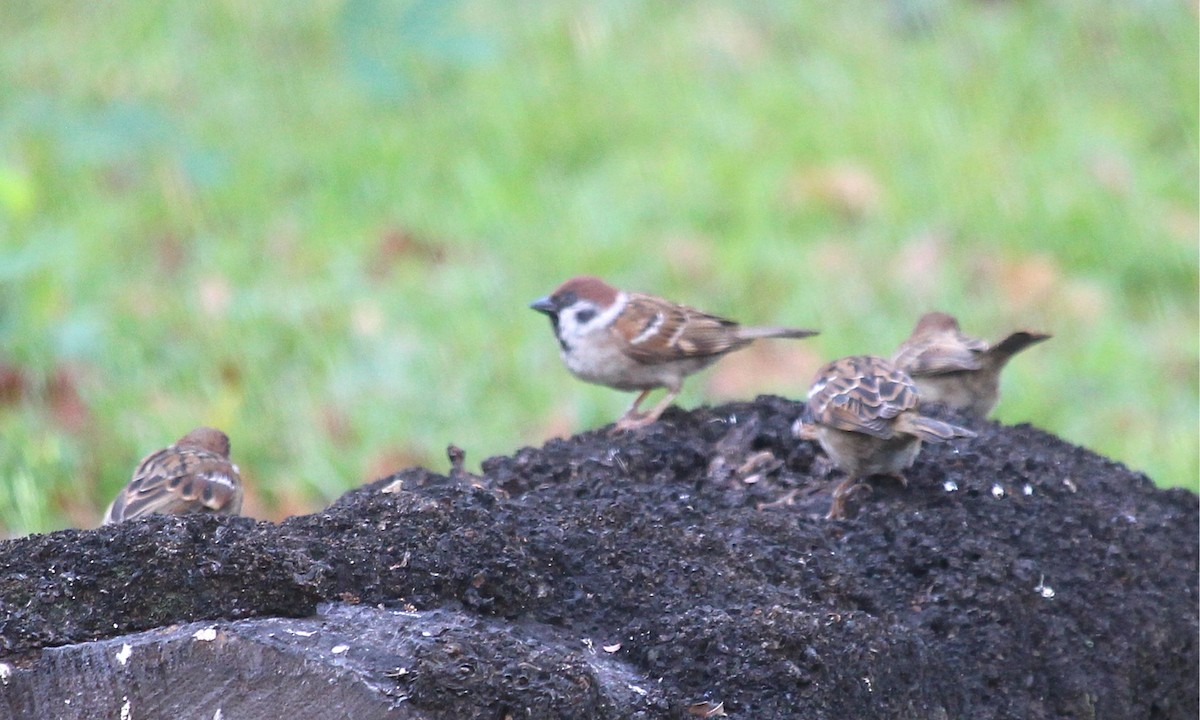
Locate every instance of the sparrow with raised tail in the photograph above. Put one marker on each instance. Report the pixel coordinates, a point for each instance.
(863, 412)
(630, 341)
(193, 475)
(955, 370)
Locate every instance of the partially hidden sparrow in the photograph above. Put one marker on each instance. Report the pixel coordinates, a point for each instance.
(955, 370)
(629, 341)
(192, 475)
(863, 412)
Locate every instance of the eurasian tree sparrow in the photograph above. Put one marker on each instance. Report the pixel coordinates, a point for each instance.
(864, 415)
(955, 370)
(630, 341)
(193, 475)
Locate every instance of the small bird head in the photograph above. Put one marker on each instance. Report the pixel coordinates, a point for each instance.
(935, 323)
(579, 306)
(206, 438)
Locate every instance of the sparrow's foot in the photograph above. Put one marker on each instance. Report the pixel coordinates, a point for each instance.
(634, 421)
(837, 509)
(844, 489)
(785, 501)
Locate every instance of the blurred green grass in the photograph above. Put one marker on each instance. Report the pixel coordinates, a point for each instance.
(317, 225)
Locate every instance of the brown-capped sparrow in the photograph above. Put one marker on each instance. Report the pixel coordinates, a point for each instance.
(863, 412)
(955, 370)
(630, 341)
(193, 475)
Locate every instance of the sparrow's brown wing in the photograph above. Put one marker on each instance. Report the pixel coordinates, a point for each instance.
(940, 354)
(652, 330)
(861, 394)
(179, 480)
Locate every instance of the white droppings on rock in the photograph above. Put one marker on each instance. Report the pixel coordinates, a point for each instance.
(1043, 589)
(1028, 489)
(124, 654)
(997, 492)
(126, 708)
(5, 672)
(302, 633)
(339, 649)
(949, 486)
(207, 634)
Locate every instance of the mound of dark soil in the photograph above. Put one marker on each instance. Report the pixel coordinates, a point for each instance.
(1017, 576)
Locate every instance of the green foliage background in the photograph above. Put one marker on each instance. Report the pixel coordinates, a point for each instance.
(317, 224)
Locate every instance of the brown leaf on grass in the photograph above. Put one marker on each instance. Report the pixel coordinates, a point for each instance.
(1085, 301)
(397, 245)
(14, 384)
(559, 423)
(335, 423)
(688, 255)
(381, 463)
(79, 508)
(832, 258)
(59, 394)
(1021, 284)
(170, 253)
(288, 501)
(848, 188)
(1036, 286)
(781, 366)
(67, 408)
(920, 264)
(231, 373)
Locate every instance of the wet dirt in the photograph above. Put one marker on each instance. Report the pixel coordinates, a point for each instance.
(1017, 576)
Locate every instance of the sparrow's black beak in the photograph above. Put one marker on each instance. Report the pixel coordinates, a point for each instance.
(545, 305)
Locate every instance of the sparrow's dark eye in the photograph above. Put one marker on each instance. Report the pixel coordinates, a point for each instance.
(584, 315)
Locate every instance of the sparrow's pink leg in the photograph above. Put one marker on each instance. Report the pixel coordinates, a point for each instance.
(632, 419)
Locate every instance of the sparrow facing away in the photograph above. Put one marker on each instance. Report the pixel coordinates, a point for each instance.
(864, 415)
(630, 341)
(193, 475)
(955, 370)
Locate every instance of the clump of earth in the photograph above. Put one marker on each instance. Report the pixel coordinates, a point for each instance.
(1016, 576)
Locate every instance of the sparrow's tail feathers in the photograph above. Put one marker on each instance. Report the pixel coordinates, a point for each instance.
(928, 429)
(1002, 352)
(755, 333)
